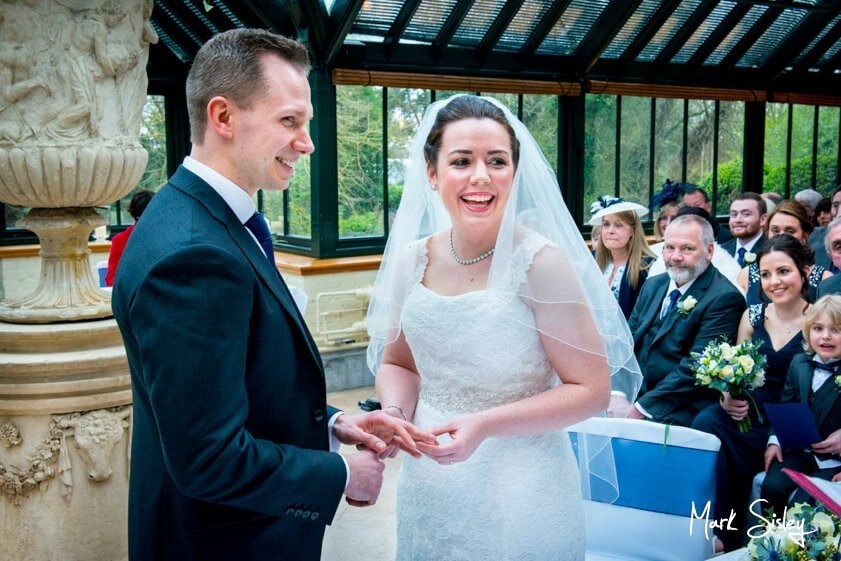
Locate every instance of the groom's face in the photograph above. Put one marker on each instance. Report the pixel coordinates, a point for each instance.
(684, 252)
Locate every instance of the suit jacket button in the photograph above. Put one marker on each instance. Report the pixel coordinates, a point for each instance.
(299, 512)
(313, 516)
(318, 415)
(307, 514)
(290, 511)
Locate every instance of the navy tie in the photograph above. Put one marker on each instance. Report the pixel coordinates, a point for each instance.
(741, 257)
(260, 229)
(673, 297)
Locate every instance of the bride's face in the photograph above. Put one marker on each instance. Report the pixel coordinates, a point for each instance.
(474, 172)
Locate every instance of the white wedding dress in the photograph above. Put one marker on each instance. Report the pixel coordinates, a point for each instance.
(515, 498)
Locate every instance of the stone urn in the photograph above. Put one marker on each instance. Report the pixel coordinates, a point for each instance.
(70, 114)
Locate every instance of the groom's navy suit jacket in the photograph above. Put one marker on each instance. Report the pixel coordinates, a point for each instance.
(230, 426)
(663, 347)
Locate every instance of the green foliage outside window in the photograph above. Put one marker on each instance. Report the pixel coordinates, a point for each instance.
(153, 139)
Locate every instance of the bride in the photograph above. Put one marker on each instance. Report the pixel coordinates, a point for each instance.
(491, 327)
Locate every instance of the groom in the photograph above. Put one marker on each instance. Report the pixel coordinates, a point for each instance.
(678, 313)
(231, 432)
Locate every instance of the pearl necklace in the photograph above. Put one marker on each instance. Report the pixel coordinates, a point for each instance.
(470, 261)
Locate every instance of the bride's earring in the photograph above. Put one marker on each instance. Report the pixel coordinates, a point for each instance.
(434, 184)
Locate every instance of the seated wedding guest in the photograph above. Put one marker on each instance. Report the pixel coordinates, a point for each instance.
(722, 260)
(748, 216)
(118, 243)
(832, 243)
(595, 236)
(623, 255)
(772, 199)
(678, 313)
(783, 264)
(817, 238)
(667, 200)
(789, 217)
(697, 197)
(823, 212)
(809, 198)
(811, 380)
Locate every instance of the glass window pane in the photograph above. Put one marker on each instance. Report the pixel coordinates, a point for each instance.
(540, 115)
(635, 150)
(827, 149)
(444, 94)
(359, 139)
(299, 196)
(13, 214)
(699, 140)
(802, 133)
(776, 132)
(405, 111)
(599, 148)
(668, 141)
(511, 101)
(731, 128)
(153, 139)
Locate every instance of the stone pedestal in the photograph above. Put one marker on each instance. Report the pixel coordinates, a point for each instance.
(64, 442)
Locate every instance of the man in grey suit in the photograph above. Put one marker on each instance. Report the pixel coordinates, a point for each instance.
(232, 436)
(677, 313)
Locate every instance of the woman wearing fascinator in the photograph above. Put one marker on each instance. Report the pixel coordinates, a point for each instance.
(482, 331)
(623, 254)
(668, 203)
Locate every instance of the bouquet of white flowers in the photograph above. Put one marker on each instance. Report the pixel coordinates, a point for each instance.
(731, 368)
(806, 533)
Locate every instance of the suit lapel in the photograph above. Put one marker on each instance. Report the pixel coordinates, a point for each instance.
(651, 312)
(804, 382)
(697, 291)
(824, 399)
(195, 187)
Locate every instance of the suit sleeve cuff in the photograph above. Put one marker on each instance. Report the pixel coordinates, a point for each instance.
(335, 445)
(642, 410)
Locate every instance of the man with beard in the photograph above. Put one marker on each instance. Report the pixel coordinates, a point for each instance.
(677, 313)
(748, 215)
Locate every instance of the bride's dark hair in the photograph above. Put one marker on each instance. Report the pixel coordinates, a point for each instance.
(467, 107)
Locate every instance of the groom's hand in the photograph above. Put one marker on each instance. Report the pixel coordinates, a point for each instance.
(366, 478)
(378, 430)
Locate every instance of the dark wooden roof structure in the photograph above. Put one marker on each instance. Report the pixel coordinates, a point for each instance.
(769, 46)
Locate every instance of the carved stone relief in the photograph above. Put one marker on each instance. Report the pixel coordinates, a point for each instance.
(95, 436)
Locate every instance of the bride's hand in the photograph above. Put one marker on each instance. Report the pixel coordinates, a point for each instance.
(465, 436)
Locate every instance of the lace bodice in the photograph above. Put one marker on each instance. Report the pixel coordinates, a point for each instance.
(472, 350)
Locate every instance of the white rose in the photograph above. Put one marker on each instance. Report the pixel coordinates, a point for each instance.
(746, 363)
(824, 523)
(727, 352)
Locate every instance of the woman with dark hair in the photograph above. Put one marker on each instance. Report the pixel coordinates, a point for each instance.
(783, 263)
(118, 243)
(492, 328)
(792, 218)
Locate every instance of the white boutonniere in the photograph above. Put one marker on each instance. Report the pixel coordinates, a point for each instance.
(686, 305)
(749, 257)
